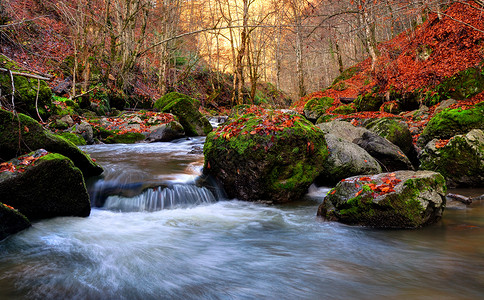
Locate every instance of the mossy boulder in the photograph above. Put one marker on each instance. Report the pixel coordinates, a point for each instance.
(45, 185)
(125, 138)
(345, 109)
(33, 136)
(25, 90)
(316, 107)
(369, 102)
(271, 157)
(451, 122)
(77, 140)
(404, 199)
(460, 161)
(345, 160)
(186, 110)
(394, 130)
(11, 221)
(462, 85)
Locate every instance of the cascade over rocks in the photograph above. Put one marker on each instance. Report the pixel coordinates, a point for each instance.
(267, 156)
(404, 199)
(186, 109)
(44, 185)
(11, 221)
(345, 160)
(33, 136)
(460, 161)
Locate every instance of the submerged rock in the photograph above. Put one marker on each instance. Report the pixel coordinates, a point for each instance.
(272, 157)
(345, 160)
(186, 109)
(42, 185)
(460, 161)
(23, 134)
(11, 221)
(404, 199)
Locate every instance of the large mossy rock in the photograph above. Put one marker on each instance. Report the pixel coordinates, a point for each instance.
(11, 221)
(316, 107)
(460, 161)
(451, 122)
(186, 109)
(345, 160)
(271, 157)
(32, 136)
(44, 186)
(369, 102)
(25, 90)
(403, 199)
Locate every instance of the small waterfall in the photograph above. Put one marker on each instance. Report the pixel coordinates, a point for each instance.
(176, 196)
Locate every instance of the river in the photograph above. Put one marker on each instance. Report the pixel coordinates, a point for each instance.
(228, 249)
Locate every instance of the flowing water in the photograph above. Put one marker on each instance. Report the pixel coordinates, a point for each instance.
(159, 236)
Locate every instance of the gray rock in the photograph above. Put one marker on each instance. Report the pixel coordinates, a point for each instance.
(166, 132)
(444, 104)
(68, 120)
(85, 130)
(345, 160)
(390, 156)
(343, 130)
(404, 199)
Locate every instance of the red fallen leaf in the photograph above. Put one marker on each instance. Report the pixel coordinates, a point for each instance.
(357, 185)
(26, 129)
(372, 186)
(365, 179)
(253, 132)
(392, 175)
(208, 165)
(366, 161)
(8, 206)
(332, 193)
(357, 194)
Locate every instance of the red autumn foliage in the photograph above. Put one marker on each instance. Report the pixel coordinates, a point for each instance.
(21, 163)
(270, 123)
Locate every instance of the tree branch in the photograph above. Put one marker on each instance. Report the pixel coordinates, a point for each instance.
(25, 74)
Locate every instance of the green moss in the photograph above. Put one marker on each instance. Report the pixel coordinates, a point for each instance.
(451, 122)
(186, 109)
(369, 102)
(345, 109)
(75, 139)
(25, 90)
(319, 105)
(347, 74)
(35, 137)
(125, 138)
